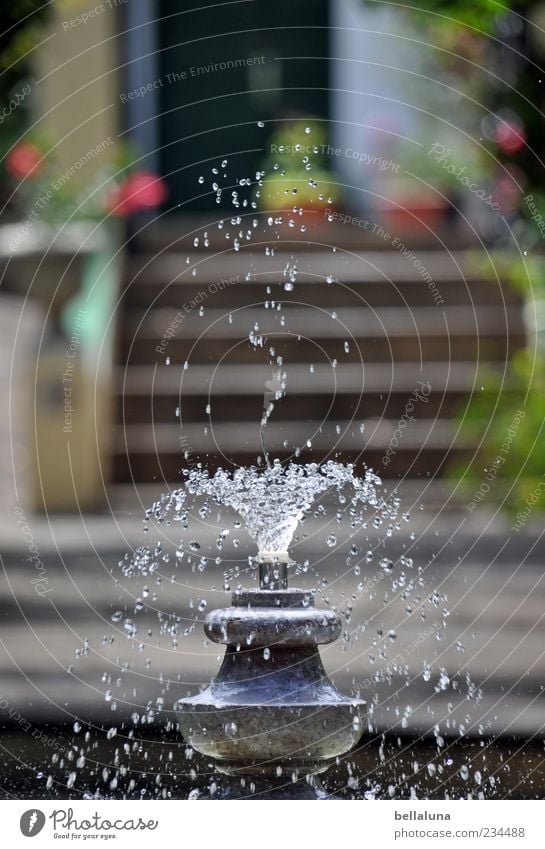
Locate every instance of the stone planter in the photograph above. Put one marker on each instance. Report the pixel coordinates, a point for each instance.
(74, 278)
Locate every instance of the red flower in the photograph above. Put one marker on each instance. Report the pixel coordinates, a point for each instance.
(23, 159)
(141, 190)
(509, 136)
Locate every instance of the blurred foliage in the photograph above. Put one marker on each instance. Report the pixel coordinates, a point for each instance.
(507, 41)
(517, 474)
(481, 14)
(490, 412)
(21, 29)
(496, 52)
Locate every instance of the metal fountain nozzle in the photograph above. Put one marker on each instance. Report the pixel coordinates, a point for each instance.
(272, 705)
(273, 570)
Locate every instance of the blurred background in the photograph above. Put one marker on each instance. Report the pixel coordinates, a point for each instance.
(161, 164)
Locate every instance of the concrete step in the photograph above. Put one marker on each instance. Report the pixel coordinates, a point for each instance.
(138, 349)
(244, 437)
(314, 264)
(347, 378)
(407, 314)
(342, 323)
(142, 409)
(493, 585)
(370, 278)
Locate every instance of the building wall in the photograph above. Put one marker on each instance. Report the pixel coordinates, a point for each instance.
(77, 72)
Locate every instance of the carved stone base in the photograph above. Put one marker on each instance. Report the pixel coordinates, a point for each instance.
(272, 710)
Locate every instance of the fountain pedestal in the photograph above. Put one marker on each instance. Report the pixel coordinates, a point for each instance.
(272, 711)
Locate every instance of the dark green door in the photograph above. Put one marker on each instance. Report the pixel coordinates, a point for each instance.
(223, 68)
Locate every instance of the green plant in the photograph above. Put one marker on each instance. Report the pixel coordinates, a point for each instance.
(512, 456)
(295, 168)
(21, 28)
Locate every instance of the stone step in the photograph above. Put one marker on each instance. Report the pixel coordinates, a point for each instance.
(244, 436)
(408, 314)
(140, 409)
(342, 323)
(357, 268)
(379, 280)
(346, 378)
(494, 604)
(139, 350)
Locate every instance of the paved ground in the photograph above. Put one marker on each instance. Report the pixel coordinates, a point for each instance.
(493, 649)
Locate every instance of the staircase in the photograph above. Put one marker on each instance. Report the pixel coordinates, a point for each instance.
(411, 331)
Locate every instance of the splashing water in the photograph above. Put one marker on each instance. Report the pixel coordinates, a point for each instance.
(272, 501)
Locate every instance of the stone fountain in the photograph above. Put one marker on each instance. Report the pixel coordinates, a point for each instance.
(272, 713)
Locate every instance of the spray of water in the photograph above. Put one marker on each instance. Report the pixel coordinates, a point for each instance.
(272, 501)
